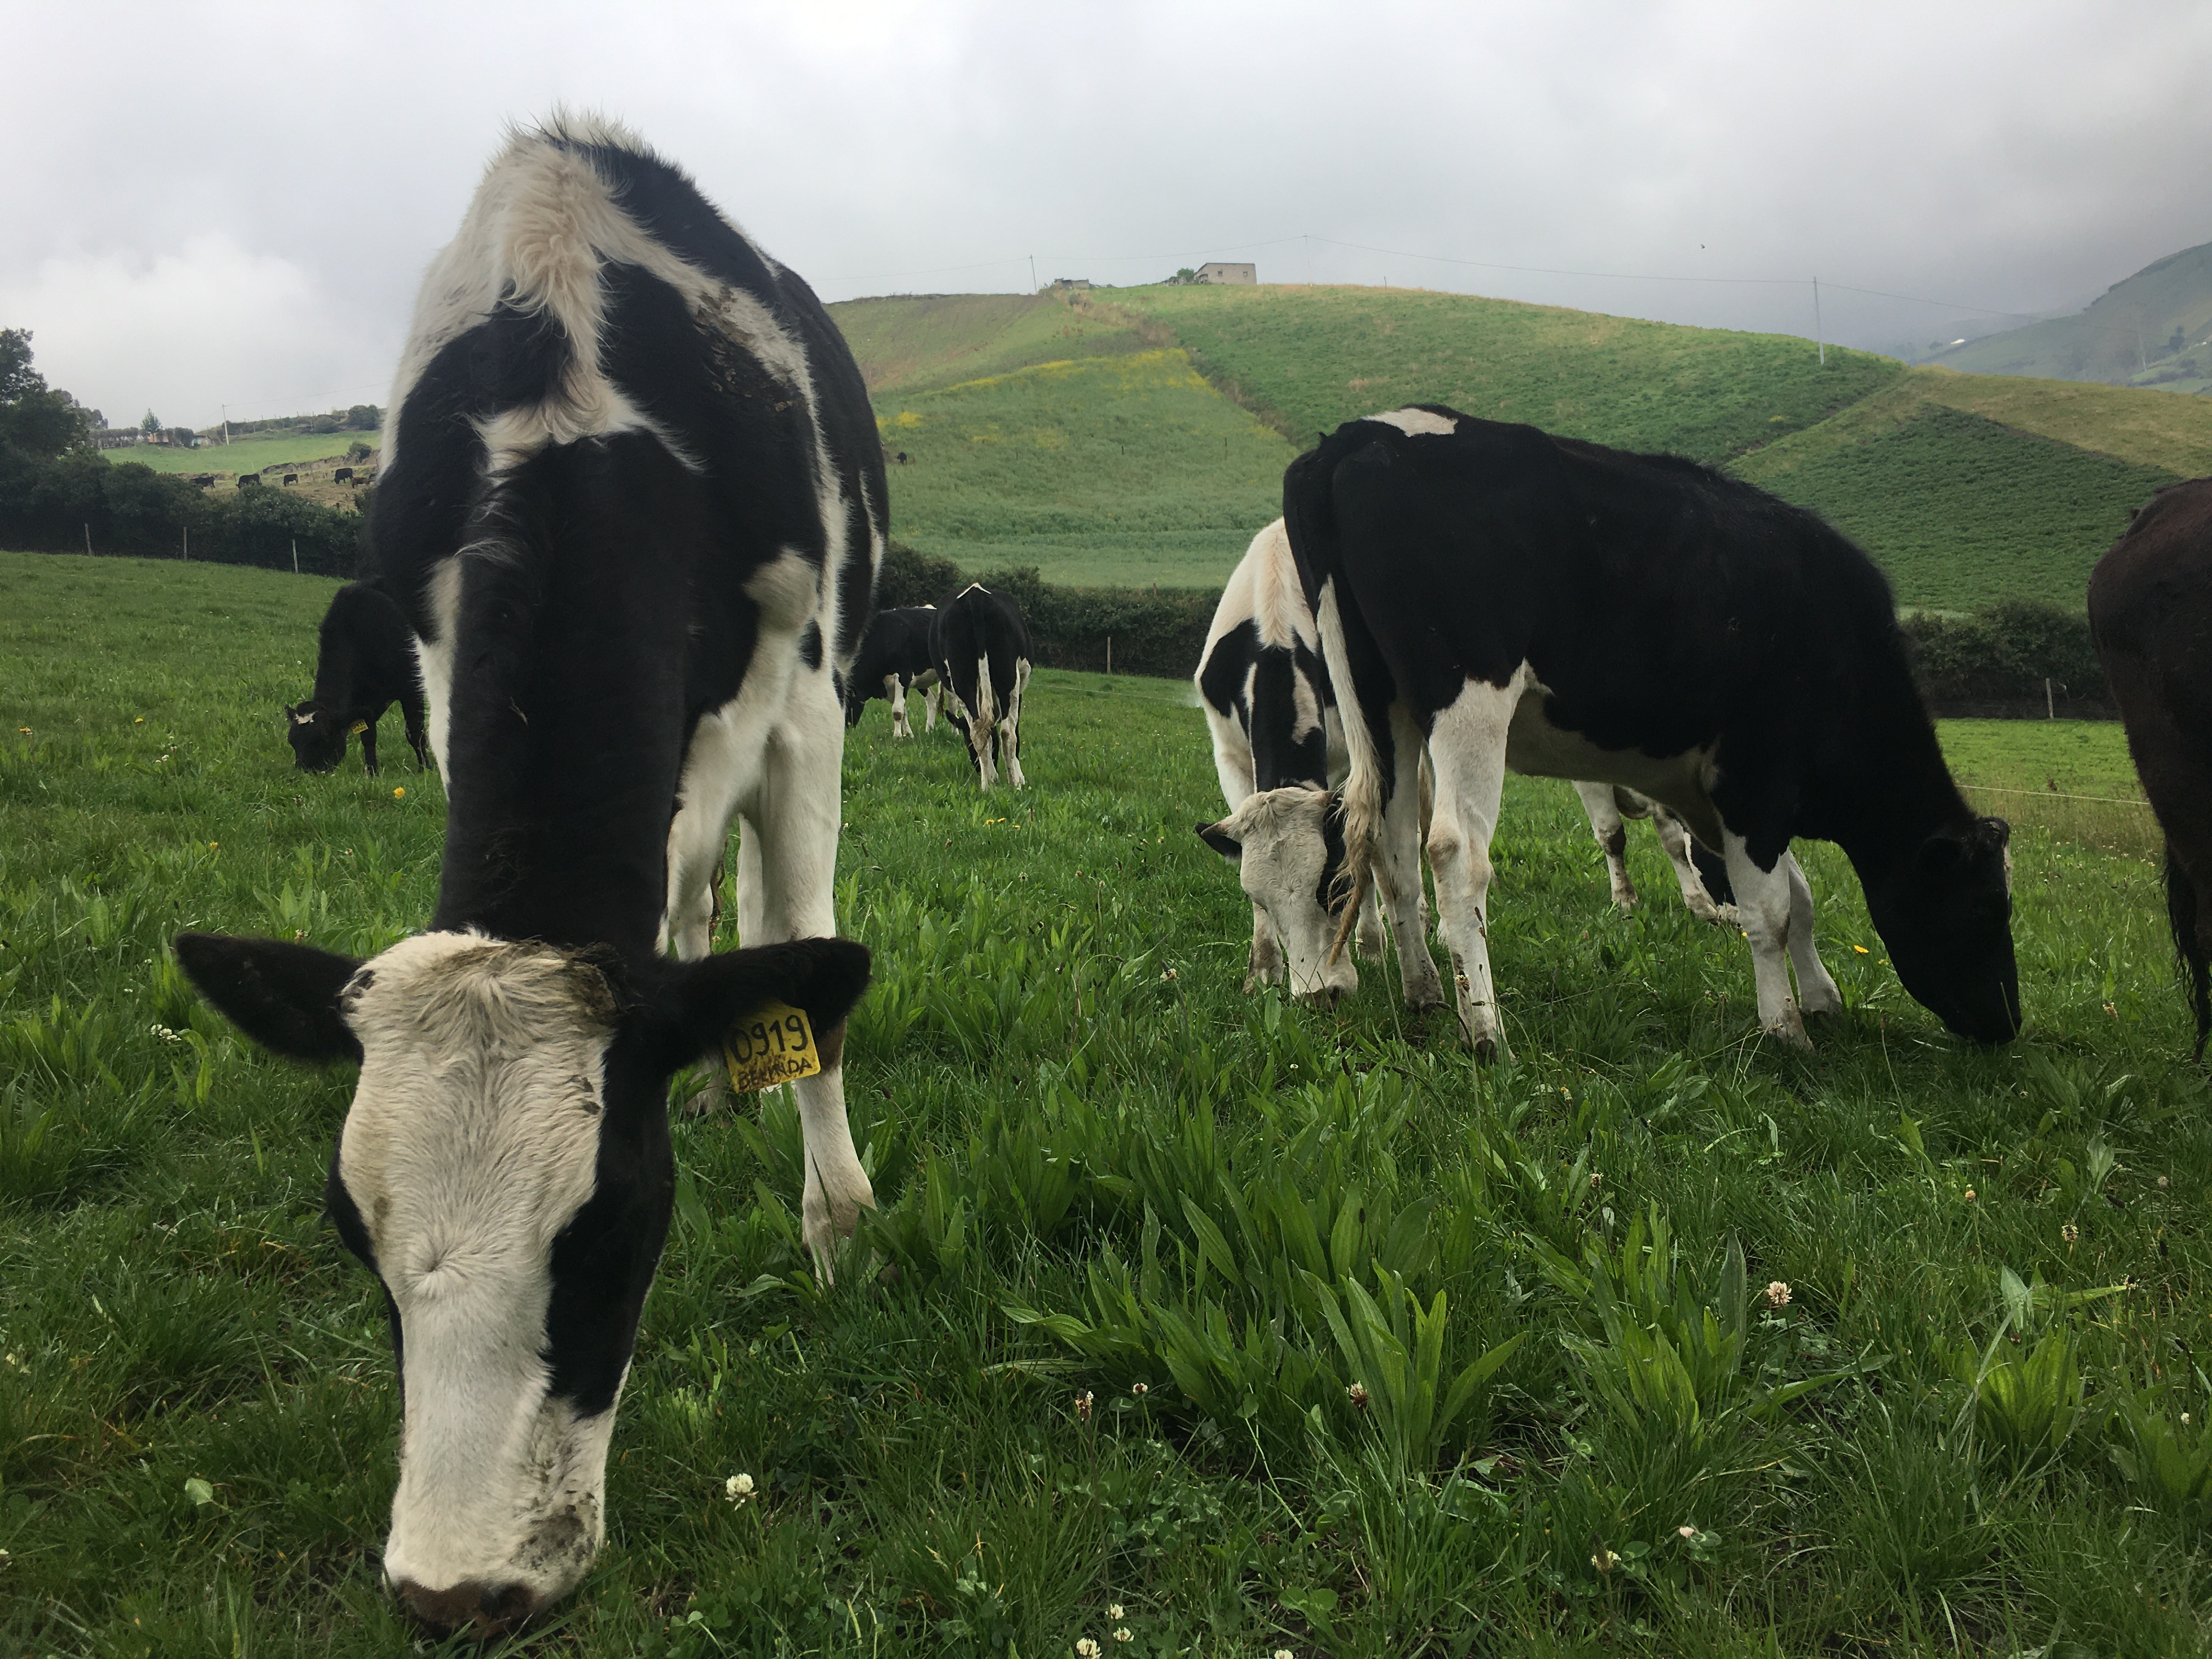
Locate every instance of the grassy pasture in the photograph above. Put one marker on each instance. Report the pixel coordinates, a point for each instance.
(1117, 471)
(250, 454)
(916, 343)
(1102, 1164)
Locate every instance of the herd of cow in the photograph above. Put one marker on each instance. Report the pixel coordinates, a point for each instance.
(630, 511)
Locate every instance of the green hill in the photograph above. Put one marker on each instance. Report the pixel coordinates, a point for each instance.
(1118, 437)
(247, 454)
(2150, 330)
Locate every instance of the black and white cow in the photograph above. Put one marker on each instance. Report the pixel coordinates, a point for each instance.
(982, 648)
(364, 663)
(1271, 711)
(632, 501)
(895, 659)
(1498, 596)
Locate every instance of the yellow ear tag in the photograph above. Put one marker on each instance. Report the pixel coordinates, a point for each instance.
(773, 1044)
(356, 728)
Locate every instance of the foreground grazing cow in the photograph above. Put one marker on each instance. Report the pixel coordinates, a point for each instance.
(2150, 610)
(632, 501)
(364, 663)
(982, 648)
(1498, 596)
(1271, 711)
(895, 659)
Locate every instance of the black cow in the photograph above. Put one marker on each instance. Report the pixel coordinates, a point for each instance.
(2150, 610)
(895, 659)
(291, 477)
(249, 481)
(982, 648)
(364, 663)
(633, 510)
(342, 475)
(1502, 597)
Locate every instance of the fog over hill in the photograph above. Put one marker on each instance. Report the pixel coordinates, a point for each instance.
(2149, 329)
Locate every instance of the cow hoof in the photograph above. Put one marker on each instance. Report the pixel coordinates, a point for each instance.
(1791, 1035)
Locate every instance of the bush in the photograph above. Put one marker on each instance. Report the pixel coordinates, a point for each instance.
(1996, 658)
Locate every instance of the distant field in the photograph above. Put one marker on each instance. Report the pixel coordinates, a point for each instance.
(1960, 510)
(1320, 357)
(913, 343)
(1121, 471)
(2071, 778)
(249, 455)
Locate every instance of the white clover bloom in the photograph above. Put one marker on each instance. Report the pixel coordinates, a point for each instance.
(1125, 1634)
(1778, 1295)
(1687, 1532)
(1085, 1648)
(1115, 1613)
(737, 1488)
(1285, 1653)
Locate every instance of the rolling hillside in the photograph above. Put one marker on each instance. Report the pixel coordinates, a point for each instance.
(1135, 436)
(2149, 329)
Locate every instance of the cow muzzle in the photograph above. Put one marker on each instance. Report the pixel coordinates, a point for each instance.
(484, 1610)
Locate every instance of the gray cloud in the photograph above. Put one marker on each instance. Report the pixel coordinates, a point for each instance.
(231, 205)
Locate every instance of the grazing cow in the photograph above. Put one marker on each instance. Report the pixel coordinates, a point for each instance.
(249, 481)
(895, 659)
(632, 503)
(291, 477)
(982, 648)
(342, 475)
(2150, 610)
(1495, 596)
(203, 481)
(1271, 711)
(364, 663)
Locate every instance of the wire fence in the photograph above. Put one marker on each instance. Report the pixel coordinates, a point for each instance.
(2111, 823)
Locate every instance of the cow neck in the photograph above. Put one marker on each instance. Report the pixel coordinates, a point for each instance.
(1895, 790)
(565, 745)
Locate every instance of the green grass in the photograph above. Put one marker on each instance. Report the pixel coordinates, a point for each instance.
(1320, 356)
(1094, 1153)
(1121, 471)
(1959, 510)
(2071, 777)
(915, 343)
(249, 455)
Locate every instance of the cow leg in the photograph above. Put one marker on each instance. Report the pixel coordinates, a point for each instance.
(1763, 906)
(411, 716)
(1368, 936)
(1467, 744)
(929, 702)
(368, 743)
(894, 688)
(1010, 726)
(1605, 823)
(1676, 840)
(1816, 991)
(787, 889)
(983, 725)
(1398, 859)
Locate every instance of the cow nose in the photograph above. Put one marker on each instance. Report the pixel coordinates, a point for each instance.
(484, 1609)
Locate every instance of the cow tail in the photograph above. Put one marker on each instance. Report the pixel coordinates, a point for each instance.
(1308, 516)
(2181, 914)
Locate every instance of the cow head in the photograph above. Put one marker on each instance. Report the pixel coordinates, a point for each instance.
(318, 735)
(1947, 917)
(504, 1170)
(1288, 847)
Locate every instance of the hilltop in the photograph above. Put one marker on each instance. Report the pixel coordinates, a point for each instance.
(1138, 436)
(2149, 329)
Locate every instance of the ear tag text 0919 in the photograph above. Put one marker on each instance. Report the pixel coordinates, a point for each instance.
(773, 1044)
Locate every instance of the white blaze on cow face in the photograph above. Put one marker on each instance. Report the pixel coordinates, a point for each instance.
(1287, 846)
(472, 1142)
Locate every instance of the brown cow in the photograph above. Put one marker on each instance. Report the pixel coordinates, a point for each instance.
(2150, 610)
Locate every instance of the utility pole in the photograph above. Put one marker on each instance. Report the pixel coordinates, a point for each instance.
(226, 426)
(1033, 280)
(1820, 335)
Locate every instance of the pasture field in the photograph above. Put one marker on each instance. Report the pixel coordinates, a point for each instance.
(249, 455)
(918, 343)
(1111, 472)
(1320, 357)
(1584, 1422)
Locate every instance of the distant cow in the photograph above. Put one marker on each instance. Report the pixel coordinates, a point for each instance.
(291, 477)
(1500, 597)
(204, 480)
(365, 663)
(895, 659)
(343, 475)
(982, 648)
(249, 481)
(1271, 711)
(2150, 610)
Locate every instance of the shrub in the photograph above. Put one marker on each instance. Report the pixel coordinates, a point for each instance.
(1996, 658)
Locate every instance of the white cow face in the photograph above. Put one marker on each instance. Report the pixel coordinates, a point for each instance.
(1288, 847)
(504, 1170)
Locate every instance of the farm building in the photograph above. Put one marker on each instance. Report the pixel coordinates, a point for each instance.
(1215, 271)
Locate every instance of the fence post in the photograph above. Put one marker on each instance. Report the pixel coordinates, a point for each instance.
(296, 556)
(2050, 705)
(88, 541)
(1109, 653)
(188, 541)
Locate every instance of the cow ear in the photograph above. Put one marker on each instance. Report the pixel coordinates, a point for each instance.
(1217, 836)
(691, 1008)
(2000, 832)
(1940, 854)
(285, 997)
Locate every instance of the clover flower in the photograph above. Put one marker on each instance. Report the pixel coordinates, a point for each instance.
(1686, 1532)
(1085, 1648)
(1358, 1395)
(1605, 1561)
(1116, 1612)
(1141, 1389)
(1083, 1407)
(1968, 1195)
(737, 1488)
(2069, 1233)
(1777, 1294)
(1125, 1634)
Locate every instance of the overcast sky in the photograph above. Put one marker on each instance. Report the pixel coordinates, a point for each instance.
(221, 204)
